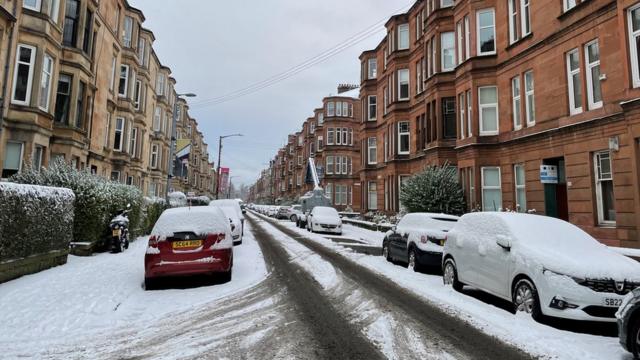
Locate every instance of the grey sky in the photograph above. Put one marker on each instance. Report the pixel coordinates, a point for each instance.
(216, 47)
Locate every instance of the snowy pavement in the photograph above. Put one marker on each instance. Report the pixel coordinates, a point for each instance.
(520, 330)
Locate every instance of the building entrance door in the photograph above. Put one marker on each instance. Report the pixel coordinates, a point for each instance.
(556, 202)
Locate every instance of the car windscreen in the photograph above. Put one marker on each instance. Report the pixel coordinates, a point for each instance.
(325, 211)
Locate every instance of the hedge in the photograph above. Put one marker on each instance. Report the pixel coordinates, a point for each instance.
(36, 227)
(97, 200)
(152, 209)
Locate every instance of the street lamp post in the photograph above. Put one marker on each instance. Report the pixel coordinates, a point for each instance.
(172, 147)
(229, 189)
(219, 159)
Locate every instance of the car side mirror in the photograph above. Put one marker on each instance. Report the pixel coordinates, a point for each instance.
(504, 242)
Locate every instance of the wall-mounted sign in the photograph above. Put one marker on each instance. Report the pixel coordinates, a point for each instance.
(548, 174)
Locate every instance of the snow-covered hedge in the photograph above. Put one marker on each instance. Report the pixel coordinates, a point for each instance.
(96, 200)
(152, 209)
(177, 199)
(34, 220)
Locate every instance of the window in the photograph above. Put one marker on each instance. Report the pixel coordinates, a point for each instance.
(320, 143)
(461, 115)
(521, 194)
(449, 117)
(320, 119)
(154, 156)
(88, 29)
(12, 163)
(530, 103)
(338, 108)
(403, 84)
(38, 154)
(488, 110)
(513, 21)
(574, 81)
(467, 37)
(569, 4)
(312, 127)
(403, 37)
(526, 17)
(45, 83)
(330, 136)
(113, 73)
(372, 66)
(331, 110)
(32, 5)
(447, 51)
(133, 140)
(137, 94)
(403, 138)
(486, 32)
(71, 18)
(142, 50)
(634, 42)
(373, 107)
(123, 87)
(119, 134)
(459, 42)
(372, 151)
(350, 137)
(329, 192)
(604, 188)
(592, 61)
(515, 91)
(63, 99)
(491, 189)
(128, 31)
(329, 164)
(160, 85)
(23, 76)
(157, 118)
(372, 197)
(107, 130)
(80, 106)
(469, 110)
(54, 10)
(446, 3)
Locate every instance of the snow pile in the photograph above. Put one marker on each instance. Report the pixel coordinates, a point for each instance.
(34, 220)
(199, 220)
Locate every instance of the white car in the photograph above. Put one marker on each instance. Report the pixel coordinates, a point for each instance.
(295, 213)
(418, 240)
(232, 207)
(324, 219)
(545, 266)
(234, 221)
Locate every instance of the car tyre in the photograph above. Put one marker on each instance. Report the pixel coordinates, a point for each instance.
(525, 298)
(226, 276)
(450, 275)
(150, 284)
(413, 261)
(293, 218)
(385, 251)
(633, 337)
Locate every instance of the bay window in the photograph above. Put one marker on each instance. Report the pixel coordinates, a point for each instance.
(23, 74)
(372, 107)
(488, 110)
(372, 151)
(403, 84)
(491, 189)
(329, 165)
(123, 86)
(330, 136)
(469, 111)
(403, 37)
(372, 195)
(461, 114)
(154, 156)
(71, 18)
(63, 99)
(372, 68)
(331, 111)
(403, 138)
(119, 134)
(486, 34)
(128, 31)
(32, 4)
(45, 83)
(447, 51)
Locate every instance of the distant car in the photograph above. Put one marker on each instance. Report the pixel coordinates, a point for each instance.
(543, 265)
(189, 241)
(418, 239)
(235, 222)
(235, 206)
(282, 212)
(629, 323)
(324, 219)
(294, 213)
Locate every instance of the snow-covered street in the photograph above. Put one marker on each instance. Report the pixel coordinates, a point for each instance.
(294, 294)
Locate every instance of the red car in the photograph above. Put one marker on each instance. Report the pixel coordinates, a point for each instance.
(189, 241)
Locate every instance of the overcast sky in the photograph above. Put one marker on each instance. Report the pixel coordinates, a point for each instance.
(216, 47)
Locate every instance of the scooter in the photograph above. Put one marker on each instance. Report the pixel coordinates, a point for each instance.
(119, 225)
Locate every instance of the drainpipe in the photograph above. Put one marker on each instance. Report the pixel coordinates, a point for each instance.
(6, 67)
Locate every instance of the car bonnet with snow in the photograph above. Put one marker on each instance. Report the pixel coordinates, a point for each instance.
(326, 216)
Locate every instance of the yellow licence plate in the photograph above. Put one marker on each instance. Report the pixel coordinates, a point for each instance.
(187, 244)
(116, 233)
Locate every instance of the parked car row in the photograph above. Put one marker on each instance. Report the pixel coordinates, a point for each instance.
(190, 241)
(544, 266)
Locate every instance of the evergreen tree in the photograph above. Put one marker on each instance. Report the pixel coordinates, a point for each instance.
(435, 190)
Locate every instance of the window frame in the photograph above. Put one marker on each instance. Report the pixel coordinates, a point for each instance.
(403, 29)
(372, 190)
(573, 110)
(126, 81)
(18, 63)
(633, 50)
(598, 181)
(481, 106)
(401, 135)
(372, 108)
(402, 83)
(491, 187)
(372, 149)
(372, 71)
(37, 7)
(478, 28)
(590, 80)
(516, 102)
(116, 129)
(451, 40)
(44, 74)
(520, 187)
(529, 99)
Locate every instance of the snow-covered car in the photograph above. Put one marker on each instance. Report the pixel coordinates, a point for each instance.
(294, 213)
(235, 207)
(189, 241)
(234, 221)
(324, 219)
(283, 212)
(543, 265)
(418, 239)
(628, 316)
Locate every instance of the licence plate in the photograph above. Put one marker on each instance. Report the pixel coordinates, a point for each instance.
(115, 233)
(612, 302)
(441, 242)
(187, 244)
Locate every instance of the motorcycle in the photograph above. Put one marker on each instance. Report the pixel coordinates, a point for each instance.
(119, 225)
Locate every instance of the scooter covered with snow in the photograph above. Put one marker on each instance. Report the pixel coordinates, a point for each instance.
(119, 225)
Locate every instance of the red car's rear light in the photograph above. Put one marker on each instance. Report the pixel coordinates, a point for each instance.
(153, 242)
(214, 239)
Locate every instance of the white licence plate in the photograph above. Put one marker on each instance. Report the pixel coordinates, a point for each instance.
(612, 302)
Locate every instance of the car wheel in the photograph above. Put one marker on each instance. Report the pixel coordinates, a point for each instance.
(412, 264)
(634, 335)
(385, 252)
(525, 298)
(450, 275)
(150, 284)
(293, 218)
(226, 277)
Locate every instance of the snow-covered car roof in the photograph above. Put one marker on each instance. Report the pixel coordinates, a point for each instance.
(228, 203)
(325, 210)
(199, 220)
